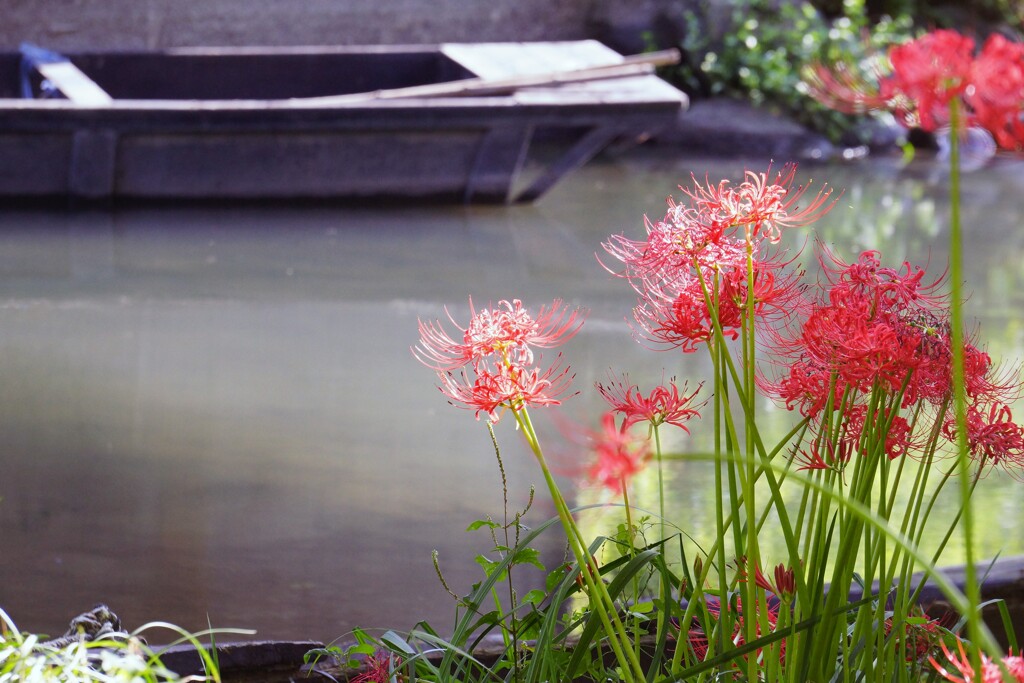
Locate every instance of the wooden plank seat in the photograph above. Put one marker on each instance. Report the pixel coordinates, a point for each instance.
(62, 75)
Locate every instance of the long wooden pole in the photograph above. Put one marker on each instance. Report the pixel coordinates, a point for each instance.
(633, 65)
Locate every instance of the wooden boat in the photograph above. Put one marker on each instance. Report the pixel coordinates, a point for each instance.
(452, 122)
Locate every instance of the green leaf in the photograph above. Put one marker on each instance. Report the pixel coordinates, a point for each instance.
(643, 607)
(527, 556)
(534, 597)
(397, 642)
(361, 636)
(488, 564)
(362, 649)
(480, 523)
(555, 577)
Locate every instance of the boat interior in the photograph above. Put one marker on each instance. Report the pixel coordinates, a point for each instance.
(240, 74)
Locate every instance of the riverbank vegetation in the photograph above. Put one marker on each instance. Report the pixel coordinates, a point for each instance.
(759, 52)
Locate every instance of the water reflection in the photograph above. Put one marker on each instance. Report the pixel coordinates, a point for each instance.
(214, 412)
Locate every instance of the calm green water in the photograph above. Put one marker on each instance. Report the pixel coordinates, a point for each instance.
(214, 413)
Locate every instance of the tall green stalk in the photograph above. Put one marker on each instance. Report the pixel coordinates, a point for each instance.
(960, 385)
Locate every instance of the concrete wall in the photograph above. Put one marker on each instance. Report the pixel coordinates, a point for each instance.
(127, 24)
(154, 24)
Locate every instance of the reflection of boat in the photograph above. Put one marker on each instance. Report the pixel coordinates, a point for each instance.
(450, 122)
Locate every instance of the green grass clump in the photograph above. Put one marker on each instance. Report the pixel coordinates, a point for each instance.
(127, 658)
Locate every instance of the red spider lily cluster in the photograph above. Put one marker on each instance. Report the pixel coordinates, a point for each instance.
(765, 613)
(958, 667)
(872, 363)
(927, 74)
(865, 355)
(491, 365)
(921, 635)
(710, 259)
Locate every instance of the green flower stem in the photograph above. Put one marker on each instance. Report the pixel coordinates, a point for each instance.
(661, 480)
(600, 601)
(663, 593)
(752, 601)
(509, 632)
(959, 383)
(630, 534)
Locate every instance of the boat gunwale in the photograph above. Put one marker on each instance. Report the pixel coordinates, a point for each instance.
(568, 95)
(484, 103)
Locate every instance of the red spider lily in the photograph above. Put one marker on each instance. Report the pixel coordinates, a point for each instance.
(884, 287)
(806, 385)
(692, 233)
(785, 581)
(671, 244)
(683, 321)
(587, 567)
(505, 386)
(926, 349)
(986, 382)
(884, 329)
(678, 314)
(495, 358)
(990, 671)
(704, 231)
(760, 207)
(376, 669)
(811, 460)
(927, 74)
(760, 579)
(784, 585)
(775, 294)
(992, 436)
(664, 404)
(619, 455)
(860, 431)
(847, 339)
(835, 458)
(507, 330)
(845, 89)
(996, 94)
(676, 248)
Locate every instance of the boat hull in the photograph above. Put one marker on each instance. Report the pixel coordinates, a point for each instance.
(439, 148)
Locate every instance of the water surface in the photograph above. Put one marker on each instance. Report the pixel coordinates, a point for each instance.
(213, 413)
